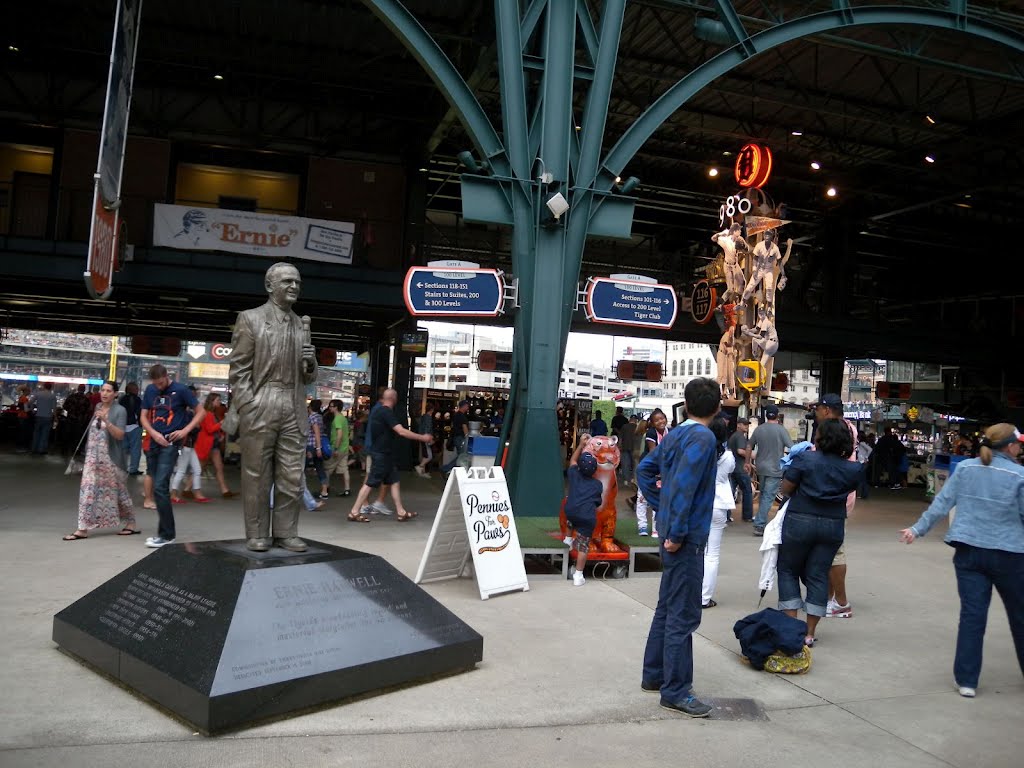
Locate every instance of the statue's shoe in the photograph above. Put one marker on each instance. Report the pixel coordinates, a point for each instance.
(292, 544)
(257, 545)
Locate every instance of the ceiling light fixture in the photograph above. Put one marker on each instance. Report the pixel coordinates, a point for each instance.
(796, 133)
(929, 159)
(930, 119)
(712, 172)
(218, 77)
(12, 48)
(727, 153)
(618, 179)
(423, 170)
(815, 166)
(831, 192)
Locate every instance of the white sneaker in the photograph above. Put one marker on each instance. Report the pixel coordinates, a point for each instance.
(155, 542)
(567, 541)
(381, 508)
(963, 690)
(834, 610)
(577, 579)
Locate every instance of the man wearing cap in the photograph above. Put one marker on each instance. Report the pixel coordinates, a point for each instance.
(739, 444)
(768, 444)
(830, 406)
(460, 437)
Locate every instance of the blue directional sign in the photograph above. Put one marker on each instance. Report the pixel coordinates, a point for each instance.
(461, 291)
(631, 302)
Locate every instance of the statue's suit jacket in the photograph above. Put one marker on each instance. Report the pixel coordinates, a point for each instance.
(256, 345)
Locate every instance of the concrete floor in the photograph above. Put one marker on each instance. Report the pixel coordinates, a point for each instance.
(559, 682)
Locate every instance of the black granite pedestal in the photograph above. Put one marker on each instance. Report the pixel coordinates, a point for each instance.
(224, 637)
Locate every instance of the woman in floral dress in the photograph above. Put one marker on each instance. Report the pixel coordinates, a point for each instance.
(104, 501)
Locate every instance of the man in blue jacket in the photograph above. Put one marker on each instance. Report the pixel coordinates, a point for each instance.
(678, 480)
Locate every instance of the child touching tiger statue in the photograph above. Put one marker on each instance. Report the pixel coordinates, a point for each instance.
(606, 450)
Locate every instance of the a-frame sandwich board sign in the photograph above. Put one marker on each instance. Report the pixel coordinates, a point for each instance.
(475, 519)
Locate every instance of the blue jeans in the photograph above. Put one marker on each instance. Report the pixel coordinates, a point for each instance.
(668, 657)
(769, 487)
(977, 571)
(461, 457)
(809, 544)
(160, 462)
(41, 435)
(862, 489)
(626, 466)
(741, 480)
(133, 447)
(318, 465)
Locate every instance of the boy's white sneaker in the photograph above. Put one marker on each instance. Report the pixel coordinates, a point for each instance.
(567, 541)
(577, 579)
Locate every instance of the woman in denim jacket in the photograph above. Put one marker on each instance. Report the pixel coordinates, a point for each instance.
(988, 534)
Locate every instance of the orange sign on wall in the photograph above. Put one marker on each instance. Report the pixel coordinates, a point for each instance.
(753, 166)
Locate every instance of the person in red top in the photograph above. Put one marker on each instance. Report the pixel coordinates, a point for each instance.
(94, 398)
(210, 442)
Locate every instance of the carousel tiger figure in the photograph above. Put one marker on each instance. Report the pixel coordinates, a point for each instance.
(606, 450)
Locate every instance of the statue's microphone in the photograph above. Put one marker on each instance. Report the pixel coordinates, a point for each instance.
(305, 329)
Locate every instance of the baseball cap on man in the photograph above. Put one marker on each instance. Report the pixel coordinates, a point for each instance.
(830, 400)
(771, 412)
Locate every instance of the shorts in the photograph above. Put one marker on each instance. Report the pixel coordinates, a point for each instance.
(582, 526)
(840, 558)
(581, 543)
(382, 471)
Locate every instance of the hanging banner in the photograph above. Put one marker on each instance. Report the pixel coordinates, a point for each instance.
(119, 98)
(100, 260)
(255, 234)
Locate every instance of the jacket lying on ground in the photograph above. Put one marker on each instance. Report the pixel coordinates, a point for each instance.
(762, 633)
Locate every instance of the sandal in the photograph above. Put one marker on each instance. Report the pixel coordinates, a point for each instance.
(149, 505)
(809, 641)
(709, 604)
(73, 537)
(129, 531)
(358, 517)
(406, 516)
(201, 499)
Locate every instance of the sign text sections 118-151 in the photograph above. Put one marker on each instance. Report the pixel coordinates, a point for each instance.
(457, 291)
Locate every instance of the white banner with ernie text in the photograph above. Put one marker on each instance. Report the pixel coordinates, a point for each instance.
(255, 234)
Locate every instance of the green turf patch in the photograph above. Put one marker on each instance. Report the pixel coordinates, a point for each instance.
(534, 533)
(625, 533)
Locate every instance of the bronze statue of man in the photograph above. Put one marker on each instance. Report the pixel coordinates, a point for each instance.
(272, 361)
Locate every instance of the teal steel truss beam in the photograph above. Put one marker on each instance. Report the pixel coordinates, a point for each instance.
(444, 74)
(674, 98)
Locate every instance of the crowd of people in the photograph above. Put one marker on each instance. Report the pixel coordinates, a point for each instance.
(689, 479)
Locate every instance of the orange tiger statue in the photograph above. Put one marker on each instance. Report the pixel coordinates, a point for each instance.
(606, 451)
